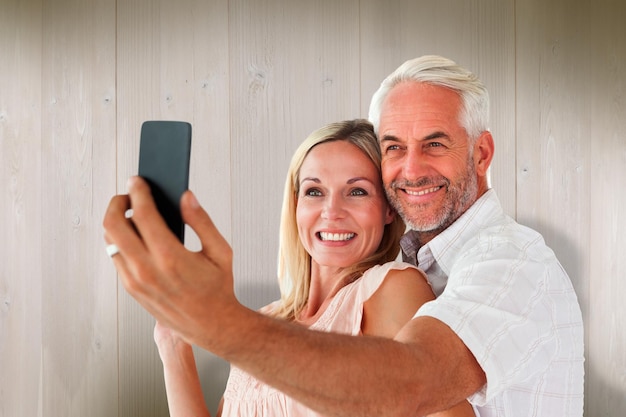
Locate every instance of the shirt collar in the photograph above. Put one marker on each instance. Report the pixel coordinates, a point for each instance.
(446, 246)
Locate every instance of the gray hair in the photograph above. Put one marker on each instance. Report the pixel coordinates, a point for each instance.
(437, 70)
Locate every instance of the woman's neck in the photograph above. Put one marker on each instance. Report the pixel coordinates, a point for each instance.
(325, 284)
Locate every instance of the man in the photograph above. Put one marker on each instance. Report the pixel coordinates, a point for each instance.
(505, 331)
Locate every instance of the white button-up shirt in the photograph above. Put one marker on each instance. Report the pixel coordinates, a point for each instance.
(504, 293)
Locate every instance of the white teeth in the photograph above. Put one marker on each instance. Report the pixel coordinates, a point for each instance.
(423, 192)
(337, 237)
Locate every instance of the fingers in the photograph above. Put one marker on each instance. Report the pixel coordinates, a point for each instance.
(130, 235)
(114, 217)
(178, 287)
(120, 231)
(214, 246)
(152, 228)
(117, 228)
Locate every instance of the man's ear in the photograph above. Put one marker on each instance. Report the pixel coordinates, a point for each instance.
(483, 153)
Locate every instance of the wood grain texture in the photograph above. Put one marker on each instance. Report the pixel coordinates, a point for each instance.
(606, 318)
(553, 130)
(294, 68)
(140, 98)
(78, 77)
(20, 208)
(79, 326)
(173, 65)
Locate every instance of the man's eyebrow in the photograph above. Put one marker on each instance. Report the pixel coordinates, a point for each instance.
(436, 135)
(389, 138)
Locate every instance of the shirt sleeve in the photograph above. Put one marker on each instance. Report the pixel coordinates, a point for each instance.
(497, 302)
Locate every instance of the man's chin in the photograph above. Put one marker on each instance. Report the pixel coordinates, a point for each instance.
(424, 228)
(420, 220)
(423, 225)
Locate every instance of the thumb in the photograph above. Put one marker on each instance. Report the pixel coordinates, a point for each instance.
(214, 246)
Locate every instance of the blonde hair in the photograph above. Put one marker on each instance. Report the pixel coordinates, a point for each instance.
(294, 263)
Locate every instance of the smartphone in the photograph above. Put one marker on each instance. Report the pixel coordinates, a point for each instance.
(164, 151)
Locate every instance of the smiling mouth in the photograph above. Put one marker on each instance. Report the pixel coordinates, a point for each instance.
(335, 237)
(423, 192)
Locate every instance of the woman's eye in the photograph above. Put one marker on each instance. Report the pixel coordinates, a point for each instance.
(358, 191)
(312, 192)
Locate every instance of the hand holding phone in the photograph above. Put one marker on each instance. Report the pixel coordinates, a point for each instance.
(164, 152)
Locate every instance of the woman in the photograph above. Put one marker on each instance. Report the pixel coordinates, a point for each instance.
(338, 241)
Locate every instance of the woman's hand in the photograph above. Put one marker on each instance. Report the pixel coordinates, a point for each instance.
(169, 343)
(182, 382)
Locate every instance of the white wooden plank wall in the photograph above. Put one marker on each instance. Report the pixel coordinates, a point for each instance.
(20, 208)
(79, 315)
(77, 78)
(604, 254)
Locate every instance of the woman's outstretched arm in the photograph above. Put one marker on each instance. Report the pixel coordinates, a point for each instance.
(182, 383)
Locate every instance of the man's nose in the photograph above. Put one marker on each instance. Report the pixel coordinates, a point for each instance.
(414, 165)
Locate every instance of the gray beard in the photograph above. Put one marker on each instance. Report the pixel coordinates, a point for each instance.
(459, 197)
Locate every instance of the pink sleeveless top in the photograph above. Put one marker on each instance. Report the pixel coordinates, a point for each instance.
(245, 396)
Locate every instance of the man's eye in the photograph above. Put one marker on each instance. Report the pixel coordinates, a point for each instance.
(392, 148)
(434, 144)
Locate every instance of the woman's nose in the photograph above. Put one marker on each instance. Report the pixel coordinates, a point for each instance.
(333, 208)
